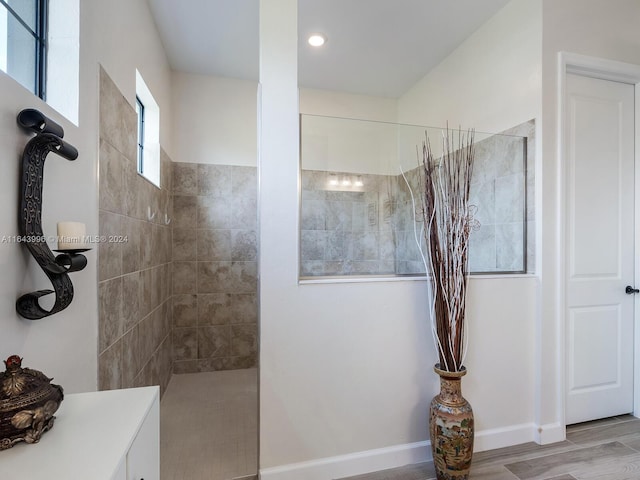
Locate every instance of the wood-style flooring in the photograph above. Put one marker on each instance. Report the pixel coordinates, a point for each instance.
(606, 449)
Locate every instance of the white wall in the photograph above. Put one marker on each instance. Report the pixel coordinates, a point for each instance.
(214, 119)
(590, 27)
(347, 367)
(333, 144)
(122, 36)
(64, 345)
(330, 141)
(347, 105)
(340, 367)
(491, 83)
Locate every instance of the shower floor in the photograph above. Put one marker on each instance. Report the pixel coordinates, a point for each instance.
(209, 427)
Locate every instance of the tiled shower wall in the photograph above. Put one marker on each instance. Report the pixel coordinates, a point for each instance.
(134, 257)
(214, 267)
(497, 189)
(370, 229)
(348, 230)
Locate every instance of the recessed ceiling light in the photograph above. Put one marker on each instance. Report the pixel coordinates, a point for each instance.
(317, 40)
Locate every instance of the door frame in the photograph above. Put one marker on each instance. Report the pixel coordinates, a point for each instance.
(619, 72)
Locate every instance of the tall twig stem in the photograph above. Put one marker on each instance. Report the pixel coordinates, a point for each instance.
(447, 226)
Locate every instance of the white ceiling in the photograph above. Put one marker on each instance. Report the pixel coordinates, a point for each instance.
(374, 47)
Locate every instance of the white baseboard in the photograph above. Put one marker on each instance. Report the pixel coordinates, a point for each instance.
(351, 464)
(391, 457)
(504, 437)
(550, 433)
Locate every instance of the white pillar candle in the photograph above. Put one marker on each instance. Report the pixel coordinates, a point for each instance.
(71, 235)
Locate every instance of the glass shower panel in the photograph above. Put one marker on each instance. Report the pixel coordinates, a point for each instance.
(361, 199)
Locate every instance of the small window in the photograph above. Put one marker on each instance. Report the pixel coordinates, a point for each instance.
(23, 42)
(148, 132)
(140, 112)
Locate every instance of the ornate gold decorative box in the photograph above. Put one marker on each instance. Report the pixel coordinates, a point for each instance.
(28, 401)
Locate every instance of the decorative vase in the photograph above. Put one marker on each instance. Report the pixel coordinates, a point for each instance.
(451, 428)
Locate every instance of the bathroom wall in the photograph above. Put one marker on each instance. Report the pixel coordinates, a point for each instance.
(214, 267)
(214, 229)
(316, 338)
(503, 179)
(492, 82)
(63, 345)
(214, 119)
(121, 35)
(134, 255)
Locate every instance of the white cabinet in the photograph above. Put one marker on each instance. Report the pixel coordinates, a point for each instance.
(143, 458)
(111, 435)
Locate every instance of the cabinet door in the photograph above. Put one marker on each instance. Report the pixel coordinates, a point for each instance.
(143, 459)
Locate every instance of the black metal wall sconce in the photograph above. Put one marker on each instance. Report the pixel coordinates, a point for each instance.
(48, 139)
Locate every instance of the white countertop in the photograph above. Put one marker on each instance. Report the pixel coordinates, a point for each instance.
(91, 435)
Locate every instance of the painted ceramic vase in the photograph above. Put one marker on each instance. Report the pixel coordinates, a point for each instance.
(451, 428)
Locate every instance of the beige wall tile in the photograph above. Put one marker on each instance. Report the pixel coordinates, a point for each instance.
(146, 245)
(166, 171)
(213, 213)
(165, 360)
(184, 211)
(244, 182)
(111, 324)
(213, 341)
(185, 366)
(185, 343)
(244, 245)
(109, 253)
(244, 308)
(184, 244)
(146, 338)
(214, 181)
(214, 309)
(225, 270)
(156, 285)
(146, 305)
(185, 180)
(244, 277)
(184, 277)
(110, 368)
(130, 357)
(118, 119)
(244, 213)
(214, 244)
(214, 277)
(132, 292)
(185, 310)
(132, 230)
(236, 363)
(165, 282)
(214, 364)
(244, 340)
(112, 168)
(135, 308)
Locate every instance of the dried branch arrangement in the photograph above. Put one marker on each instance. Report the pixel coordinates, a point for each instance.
(448, 221)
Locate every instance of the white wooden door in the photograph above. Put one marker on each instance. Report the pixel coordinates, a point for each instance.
(599, 153)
